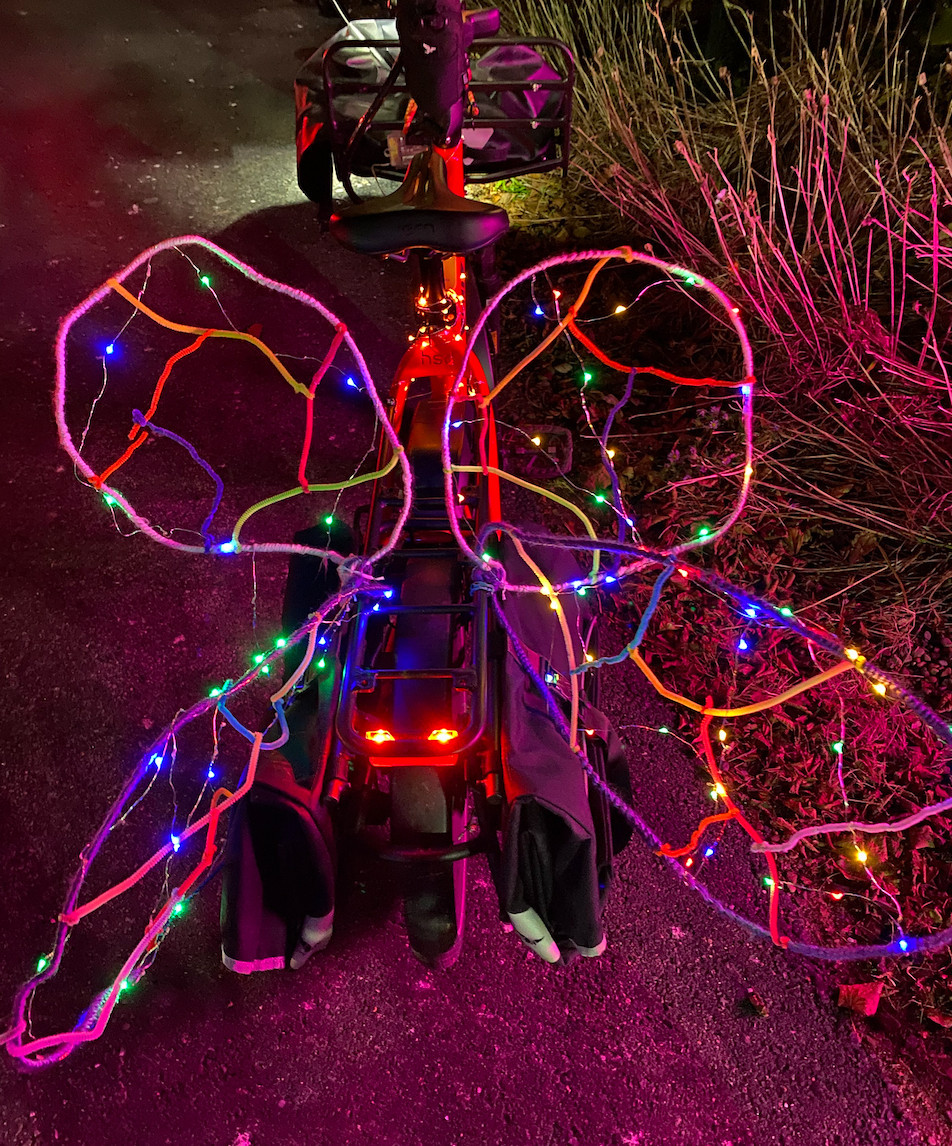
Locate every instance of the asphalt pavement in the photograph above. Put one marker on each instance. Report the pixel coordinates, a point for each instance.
(125, 124)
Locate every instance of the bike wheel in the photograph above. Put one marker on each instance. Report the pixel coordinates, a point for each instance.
(424, 813)
(428, 804)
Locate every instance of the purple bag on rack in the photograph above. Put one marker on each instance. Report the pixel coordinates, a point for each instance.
(494, 143)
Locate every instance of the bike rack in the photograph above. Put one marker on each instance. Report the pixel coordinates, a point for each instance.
(341, 137)
(359, 678)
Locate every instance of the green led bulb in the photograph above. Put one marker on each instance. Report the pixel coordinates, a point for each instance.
(664, 729)
(108, 499)
(837, 747)
(321, 663)
(259, 657)
(205, 280)
(587, 376)
(329, 520)
(280, 643)
(785, 612)
(41, 964)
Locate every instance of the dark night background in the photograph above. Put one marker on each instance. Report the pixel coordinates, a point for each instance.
(124, 124)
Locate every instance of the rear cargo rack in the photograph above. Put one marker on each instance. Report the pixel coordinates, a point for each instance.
(340, 133)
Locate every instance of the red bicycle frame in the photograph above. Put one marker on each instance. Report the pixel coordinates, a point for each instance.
(438, 354)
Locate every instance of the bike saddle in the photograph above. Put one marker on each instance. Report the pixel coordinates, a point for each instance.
(422, 212)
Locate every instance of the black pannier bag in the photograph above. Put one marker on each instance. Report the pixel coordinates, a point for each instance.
(523, 102)
(280, 862)
(560, 834)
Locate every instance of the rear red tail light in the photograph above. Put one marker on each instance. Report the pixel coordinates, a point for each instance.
(379, 736)
(443, 735)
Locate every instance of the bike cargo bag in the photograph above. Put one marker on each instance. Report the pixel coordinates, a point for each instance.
(517, 130)
(559, 833)
(279, 871)
(280, 859)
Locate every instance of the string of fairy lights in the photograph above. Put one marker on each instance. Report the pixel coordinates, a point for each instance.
(612, 561)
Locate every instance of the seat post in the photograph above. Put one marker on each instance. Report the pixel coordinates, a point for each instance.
(434, 308)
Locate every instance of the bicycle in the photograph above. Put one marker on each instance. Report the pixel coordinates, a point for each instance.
(408, 729)
(441, 717)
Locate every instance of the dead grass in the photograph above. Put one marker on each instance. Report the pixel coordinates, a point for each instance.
(816, 189)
